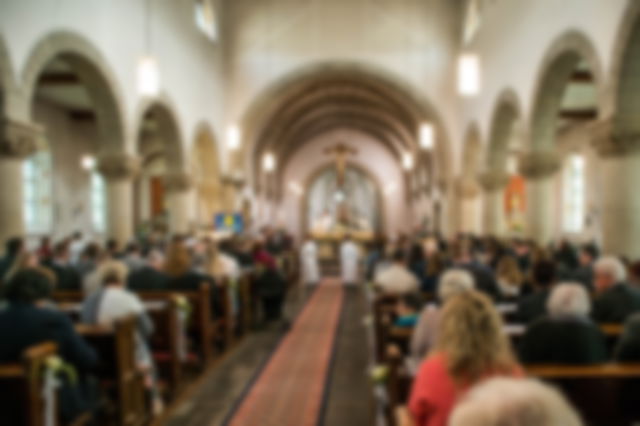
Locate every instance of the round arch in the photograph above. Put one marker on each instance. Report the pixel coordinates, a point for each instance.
(625, 72)
(555, 70)
(94, 73)
(205, 163)
(506, 113)
(397, 107)
(157, 117)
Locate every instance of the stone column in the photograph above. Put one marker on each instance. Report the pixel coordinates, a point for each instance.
(493, 184)
(119, 169)
(538, 168)
(620, 175)
(468, 190)
(17, 142)
(178, 187)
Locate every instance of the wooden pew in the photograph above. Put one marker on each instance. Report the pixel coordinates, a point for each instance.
(118, 371)
(200, 324)
(607, 394)
(21, 387)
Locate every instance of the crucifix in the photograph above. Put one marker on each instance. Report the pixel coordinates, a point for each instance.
(340, 152)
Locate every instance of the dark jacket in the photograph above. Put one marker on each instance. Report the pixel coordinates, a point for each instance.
(616, 304)
(24, 325)
(628, 347)
(147, 278)
(567, 340)
(483, 278)
(191, 281)
(533, 306)
(67, 277)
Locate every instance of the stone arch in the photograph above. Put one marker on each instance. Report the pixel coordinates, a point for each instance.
(94, 73)
(167, 128)
(506, 113)
(625, 73)
(400, 109)
(472, 152)
(564, 54)
(8, 84)
(205, 164)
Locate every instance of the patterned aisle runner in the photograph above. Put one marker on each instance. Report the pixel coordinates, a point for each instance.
(290, 389)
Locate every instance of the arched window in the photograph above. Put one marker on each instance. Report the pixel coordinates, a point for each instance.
(573, 193)
(206, 18)
(38, 209)
(98, 203)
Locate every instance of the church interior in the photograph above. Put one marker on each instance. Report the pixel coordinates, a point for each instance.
(319, 212)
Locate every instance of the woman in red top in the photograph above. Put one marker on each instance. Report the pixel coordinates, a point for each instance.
(471, 346)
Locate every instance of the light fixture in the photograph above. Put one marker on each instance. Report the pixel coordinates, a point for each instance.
(407, 161)
(148, 72)
(295, 188)
(88, 162)
(148, 76)
(469, 74)
(268, 162)
(427, 136)
(233, 137)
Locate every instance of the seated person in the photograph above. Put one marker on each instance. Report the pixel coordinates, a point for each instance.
(113, 302)
(471, 347)
(615, 299)
(25, 322)
(67, 277)
(509, 278)
(452, 282)
(534, 305)
(514, 402)
(584, 273)
(628, 347)
(397, 279)
(566, 335)
(407, 310)
(270, 284)
(151, 276)
(182, 275)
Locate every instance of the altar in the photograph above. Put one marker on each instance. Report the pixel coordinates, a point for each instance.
(329, 243)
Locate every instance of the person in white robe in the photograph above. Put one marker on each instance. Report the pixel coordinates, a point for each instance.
(349, 261)
(309, 262)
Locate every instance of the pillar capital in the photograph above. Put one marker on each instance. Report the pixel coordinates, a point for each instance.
(493, 180)
(18, 139)
(539, 164)
(467, 187)
(118, 166)
(611, 142)
(178, 181)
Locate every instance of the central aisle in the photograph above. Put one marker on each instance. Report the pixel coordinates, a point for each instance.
(290, 389)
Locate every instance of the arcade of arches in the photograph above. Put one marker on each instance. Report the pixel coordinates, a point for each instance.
(327, 117)
(499, 162)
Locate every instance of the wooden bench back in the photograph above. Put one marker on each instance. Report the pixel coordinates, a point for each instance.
(118, 369)
(21, 386)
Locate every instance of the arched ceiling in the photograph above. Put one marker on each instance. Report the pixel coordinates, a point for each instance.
(334, 96)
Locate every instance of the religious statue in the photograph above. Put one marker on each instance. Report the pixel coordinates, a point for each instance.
(340, 153)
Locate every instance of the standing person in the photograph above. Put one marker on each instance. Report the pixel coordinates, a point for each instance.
(309, 262)
(349, 261)
(270, 285)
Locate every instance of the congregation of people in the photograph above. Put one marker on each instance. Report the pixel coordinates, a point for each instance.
(449, 295)
(110, 277)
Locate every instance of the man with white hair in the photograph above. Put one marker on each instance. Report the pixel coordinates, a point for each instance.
(566, 335)
(452, 282)
(516, 402)
(615, 299)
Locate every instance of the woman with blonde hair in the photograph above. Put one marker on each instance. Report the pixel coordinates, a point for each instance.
(509, 278)
(471, 346)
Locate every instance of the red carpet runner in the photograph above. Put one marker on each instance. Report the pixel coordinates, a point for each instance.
(290, 389)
